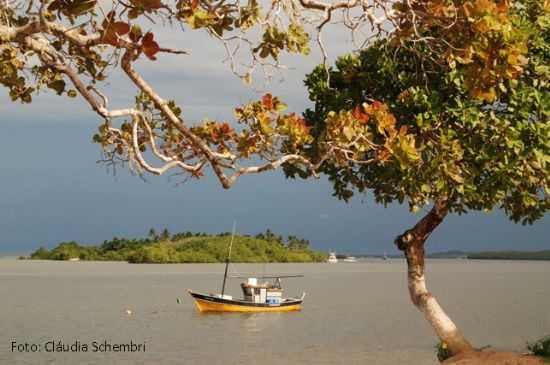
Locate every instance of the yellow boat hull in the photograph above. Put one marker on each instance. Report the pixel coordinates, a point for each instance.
(208, 303)
(206, 306)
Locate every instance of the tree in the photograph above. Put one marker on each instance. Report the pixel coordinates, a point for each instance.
(475, 119)
(153, 236)
(447, 102)
(165, 235)
(41, 253)
(295, 243)
(269, 236)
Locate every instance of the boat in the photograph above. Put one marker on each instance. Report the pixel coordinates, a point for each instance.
(258, 295)
(332, 258)
(350, 259)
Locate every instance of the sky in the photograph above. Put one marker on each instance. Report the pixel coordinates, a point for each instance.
(52, 189)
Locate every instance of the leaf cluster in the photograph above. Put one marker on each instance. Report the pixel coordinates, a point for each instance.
(541, 347)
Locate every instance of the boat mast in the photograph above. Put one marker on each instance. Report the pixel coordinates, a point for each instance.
(228, 257)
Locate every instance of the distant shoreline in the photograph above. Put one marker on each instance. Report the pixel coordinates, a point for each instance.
(373, 257)
(541, 255)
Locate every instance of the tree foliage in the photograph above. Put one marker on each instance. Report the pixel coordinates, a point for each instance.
(541, 347)
(476, 128)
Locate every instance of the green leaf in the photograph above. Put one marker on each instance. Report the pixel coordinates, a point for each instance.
(58, 86)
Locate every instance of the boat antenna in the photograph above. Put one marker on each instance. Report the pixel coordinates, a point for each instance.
(228, 257)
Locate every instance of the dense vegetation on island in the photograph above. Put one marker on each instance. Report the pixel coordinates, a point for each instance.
(187, 247)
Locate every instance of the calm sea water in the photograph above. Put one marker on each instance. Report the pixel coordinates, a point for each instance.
(353, 314)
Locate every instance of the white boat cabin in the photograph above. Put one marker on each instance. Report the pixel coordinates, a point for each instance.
(266, 292)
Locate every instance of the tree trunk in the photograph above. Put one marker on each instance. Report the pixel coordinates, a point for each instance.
(412, 244)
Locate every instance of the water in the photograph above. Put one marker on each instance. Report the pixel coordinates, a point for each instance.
(353, 314)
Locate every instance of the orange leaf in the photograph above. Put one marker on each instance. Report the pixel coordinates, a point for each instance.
(226, 129)
(148, 5)
(120, 28)
(110, 38)
(149, 46)
(153, 4)
(359, 115)
(503, 6)
(113, 30)
(267, 101)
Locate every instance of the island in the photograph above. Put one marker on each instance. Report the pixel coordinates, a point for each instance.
(187, 247)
